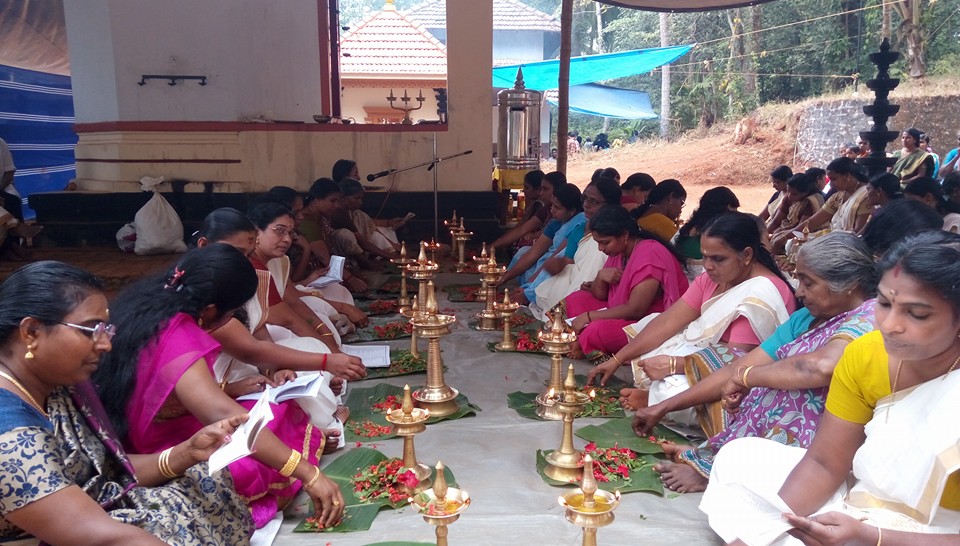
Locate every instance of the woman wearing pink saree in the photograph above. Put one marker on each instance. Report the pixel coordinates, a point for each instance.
(158, 387)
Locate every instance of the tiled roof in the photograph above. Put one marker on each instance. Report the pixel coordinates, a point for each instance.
(507, 15)
(389, 44)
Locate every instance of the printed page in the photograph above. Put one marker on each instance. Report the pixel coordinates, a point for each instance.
(761, 517)
(373, 356)
(244, 437)
(335, 273)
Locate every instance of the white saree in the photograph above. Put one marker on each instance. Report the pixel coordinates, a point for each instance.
(757, 299)
(587, 262)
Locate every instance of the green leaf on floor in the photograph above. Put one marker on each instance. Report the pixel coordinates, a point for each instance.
(643, 479)
(358, 517)
(620, 432)
(401, 363)
(463, 292)
(364, 418)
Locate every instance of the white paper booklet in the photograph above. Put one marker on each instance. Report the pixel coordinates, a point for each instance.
(244, 437)
(335, 274)
(761, 517)
(304, 386)
(373, 356)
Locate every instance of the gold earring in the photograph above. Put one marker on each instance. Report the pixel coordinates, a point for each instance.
(200, 322)
(29, 355)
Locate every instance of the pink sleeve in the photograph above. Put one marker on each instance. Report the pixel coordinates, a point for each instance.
(740, 330)
(700, 290)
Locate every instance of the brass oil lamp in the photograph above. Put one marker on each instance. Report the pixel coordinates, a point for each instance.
(441, 505)
(422, 271)
(506, 309)
(409, 313)
(436, 395)
(454, 226)
(403, 303)
(589, 507)
(460, 238)
(490, 274)
(482, 258)
(409, 421)
(566, 463)
(433, 247)
(557, 341)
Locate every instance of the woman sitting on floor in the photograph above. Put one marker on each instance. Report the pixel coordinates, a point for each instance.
(713, 203)
(321, 203)
(802, 200)
(929, 192)
(776, 391)
(740, 299)
(568, 274)
(65, 479)
(560, 238)
(158, 388)
(660, 212)
(847, 208)
(891, 418)
(642, 275)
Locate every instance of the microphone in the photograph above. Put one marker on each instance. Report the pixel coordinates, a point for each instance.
(372, 177)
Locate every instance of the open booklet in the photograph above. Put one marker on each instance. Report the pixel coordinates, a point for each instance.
(401, 222)
(761, 516)
(334, 274)
(244, 437)
(373, 356)
(304, 386)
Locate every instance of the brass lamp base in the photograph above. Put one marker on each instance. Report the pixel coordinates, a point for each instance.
(440, 401)
(562, 473)
(488, 321)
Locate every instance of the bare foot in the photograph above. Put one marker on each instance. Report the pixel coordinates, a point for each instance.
(342, 413)
(672, 449)
(681, 478)
(634, 399)
(331, 440)
(576, 352)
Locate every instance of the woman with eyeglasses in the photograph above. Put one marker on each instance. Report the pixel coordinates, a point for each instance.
(569, 274)
(158, 388)
(661, 211)
(65, 479)
(320, 205)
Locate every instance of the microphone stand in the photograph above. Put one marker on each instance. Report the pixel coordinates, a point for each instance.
(430, 167)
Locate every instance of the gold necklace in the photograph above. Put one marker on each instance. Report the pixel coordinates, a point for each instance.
(30, 398)
(896, 379)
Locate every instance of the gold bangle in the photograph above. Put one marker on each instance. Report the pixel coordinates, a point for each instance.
(879, 530)
(673, 365)
(327, 334)
(317, 329)
(163, 464)
(617, 360)
(313, 480)
(743, 379)
(291, 465)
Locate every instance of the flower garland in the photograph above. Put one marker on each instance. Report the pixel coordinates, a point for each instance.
(382, 307)
(384, 481)
(388, 404)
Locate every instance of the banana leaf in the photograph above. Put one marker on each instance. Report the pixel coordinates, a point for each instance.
(463, 293)
(620, 432)
(605, 404)
(361, 401)
(522, 319)
(644, 478)
(369, 333)
(532, 332)
(401, 363)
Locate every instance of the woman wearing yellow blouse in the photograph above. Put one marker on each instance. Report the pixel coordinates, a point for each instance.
(891, 420)
(660, 212)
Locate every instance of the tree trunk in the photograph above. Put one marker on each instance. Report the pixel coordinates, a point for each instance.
(753, 53)
(665, 80)
(911, 34)
(563, 84)
(599, 43)
(885, 22)
(735, 61)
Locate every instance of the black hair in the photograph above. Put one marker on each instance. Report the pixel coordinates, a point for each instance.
(609, 189)
(262, 214)
(951, 183)
(47, 291)
(322, 188)
(639, 180)
(596, 175)
(341, 169)
(284, 195)
(843, 165)
(610, 172)
(923, 186)
(224, 222)
(740, 231)
(807, 185)
(816, 172)
(533, 178)
(614, 221)
(569, 196)
(713, 203)
(932, 258)
(914, 133)
(555, 178)
(887, 183)
(896, 220)
(781, 173)
(217, 275)
(661, 192)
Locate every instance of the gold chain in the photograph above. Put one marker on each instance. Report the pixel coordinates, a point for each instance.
(30, 398)
(896, 379)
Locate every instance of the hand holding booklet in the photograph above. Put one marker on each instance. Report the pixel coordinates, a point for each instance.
(304, 386)
(244, 437)
(373, 356)
(334, 273)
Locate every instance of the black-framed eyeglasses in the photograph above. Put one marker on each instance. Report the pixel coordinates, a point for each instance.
(97, 332)
(591, 201)
(282, 231)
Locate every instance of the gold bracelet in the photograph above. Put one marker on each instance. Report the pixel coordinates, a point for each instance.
(617, 360)
(879, 530)
(163, 464)
(673, 365)
(743, 379)
(313, 480)
(291, 465)
(327, 334)
(317, 329)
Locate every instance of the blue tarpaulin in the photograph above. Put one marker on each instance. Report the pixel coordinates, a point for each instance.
(611, 102)
(36, 121)
(543, 75)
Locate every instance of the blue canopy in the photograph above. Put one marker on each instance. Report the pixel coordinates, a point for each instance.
(610, 102)
(543, 75)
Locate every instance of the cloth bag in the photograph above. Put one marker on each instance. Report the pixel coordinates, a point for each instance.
(158, 228)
